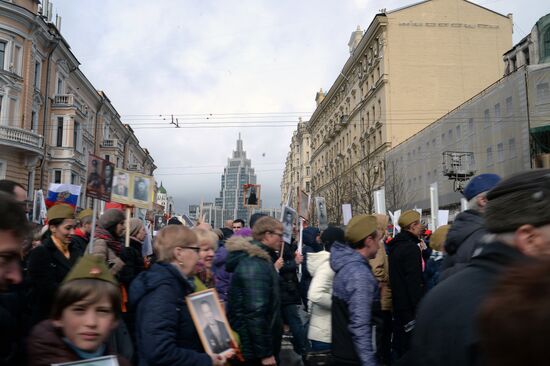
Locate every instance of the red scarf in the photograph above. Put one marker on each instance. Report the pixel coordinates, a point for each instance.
(112, 243)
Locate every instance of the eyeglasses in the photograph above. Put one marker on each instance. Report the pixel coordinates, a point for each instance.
(280, 235)
(195, 249)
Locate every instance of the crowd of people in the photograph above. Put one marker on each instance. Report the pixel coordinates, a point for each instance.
(475, 292)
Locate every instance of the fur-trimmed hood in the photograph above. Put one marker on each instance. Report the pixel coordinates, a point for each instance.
(246, 244)
(242, 247)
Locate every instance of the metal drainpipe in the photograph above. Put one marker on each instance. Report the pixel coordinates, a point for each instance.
(97, 123)
(45, 150)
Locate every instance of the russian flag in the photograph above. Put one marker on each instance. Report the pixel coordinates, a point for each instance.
(62, 193)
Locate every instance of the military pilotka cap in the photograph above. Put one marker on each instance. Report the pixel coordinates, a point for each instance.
(525, 197)
(60, 211)
(438, 237)
(359, 227)
(408, 217)
(85, 213)
(90, 267)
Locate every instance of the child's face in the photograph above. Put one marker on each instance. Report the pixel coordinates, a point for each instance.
(87, 325)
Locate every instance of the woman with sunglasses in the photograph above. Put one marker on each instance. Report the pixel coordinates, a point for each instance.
(165, 333)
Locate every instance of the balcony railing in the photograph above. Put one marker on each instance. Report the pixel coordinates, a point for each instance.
(134, 167)
(68, 100)
(21, 138)
(112, 144)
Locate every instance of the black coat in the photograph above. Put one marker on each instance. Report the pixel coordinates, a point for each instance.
(406, 279)
(445, 332)
(133, 263)
(288, 277)
(462, 240)
(47, 267)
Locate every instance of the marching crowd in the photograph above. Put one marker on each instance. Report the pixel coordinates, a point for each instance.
(476, 292)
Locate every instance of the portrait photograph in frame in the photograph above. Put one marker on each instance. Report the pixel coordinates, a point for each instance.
(251, 195)
(210, 321)
(288, 220)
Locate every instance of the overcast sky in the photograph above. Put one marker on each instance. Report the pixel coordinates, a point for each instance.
(246, 62)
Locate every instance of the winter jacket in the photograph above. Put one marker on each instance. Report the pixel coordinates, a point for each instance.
(320, 297)
(406, 276)
(310, 245)
(254, 304)
(101, 249)
(165, 332)
(433, 269)
(46, 346)
(463, 239)
(47, 268)
(354, 291)
(381, 271)
(221, 276)
(133, 263)
(288, 276)
(445, 332)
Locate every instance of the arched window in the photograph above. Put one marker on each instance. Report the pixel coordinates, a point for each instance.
(546, 40)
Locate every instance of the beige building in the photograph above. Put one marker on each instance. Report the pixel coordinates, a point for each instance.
(410, 67)
(297, 173)
(51, 116)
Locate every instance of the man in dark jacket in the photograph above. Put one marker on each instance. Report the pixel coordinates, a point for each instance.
(468, 228)
(518, 218)
(254, 303)
(406, 279)
(354, 291)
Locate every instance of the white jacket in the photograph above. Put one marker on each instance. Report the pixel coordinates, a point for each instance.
(320, 296)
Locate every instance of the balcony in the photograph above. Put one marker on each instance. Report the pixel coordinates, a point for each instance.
(22, 139)
(134, 167)
(112, 144)
(69, 101)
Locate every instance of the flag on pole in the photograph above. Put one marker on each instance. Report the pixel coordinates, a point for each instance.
(62, 193)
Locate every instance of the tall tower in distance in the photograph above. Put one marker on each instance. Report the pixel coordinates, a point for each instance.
(238, 172)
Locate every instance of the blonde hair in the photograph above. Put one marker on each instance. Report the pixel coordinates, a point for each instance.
(171, 237)
(207, 236)
(264, 225)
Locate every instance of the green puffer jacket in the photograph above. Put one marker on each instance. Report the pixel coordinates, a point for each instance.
(254, 303)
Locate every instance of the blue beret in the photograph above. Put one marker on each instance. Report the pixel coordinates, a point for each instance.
(479, 184)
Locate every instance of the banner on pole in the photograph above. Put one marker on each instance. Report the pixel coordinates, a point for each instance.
(346, 212)
(39, 209)
(289, 216)
(303, 204)
(251, 195)
(133, 189)
(62, 193)
(380, 201)
(100, 178)
(321, 211)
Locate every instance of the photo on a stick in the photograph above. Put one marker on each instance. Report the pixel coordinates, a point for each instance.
(210, 322)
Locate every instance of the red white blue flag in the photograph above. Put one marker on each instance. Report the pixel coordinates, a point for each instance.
(62, 193)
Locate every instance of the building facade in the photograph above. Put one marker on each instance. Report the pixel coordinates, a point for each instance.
(503, 130)
(534, 49)
(238, 172)
(297, 173)
(51, 116)
(407, 69)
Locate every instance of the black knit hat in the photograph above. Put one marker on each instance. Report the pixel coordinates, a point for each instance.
(332, 234)
(521, 199)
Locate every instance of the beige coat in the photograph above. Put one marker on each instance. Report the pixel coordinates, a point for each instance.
(101, 249)
(380, 269)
